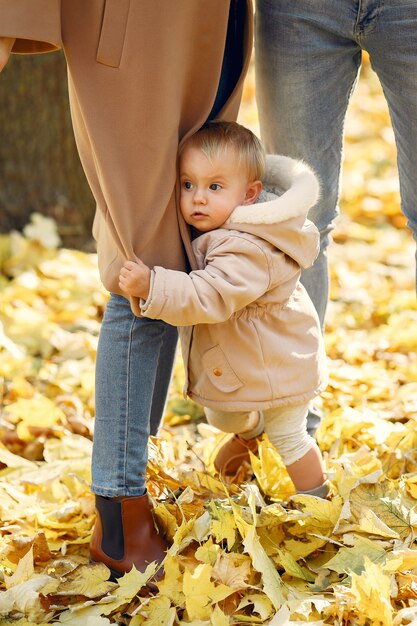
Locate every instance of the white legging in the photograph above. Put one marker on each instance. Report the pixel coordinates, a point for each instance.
(286, 428)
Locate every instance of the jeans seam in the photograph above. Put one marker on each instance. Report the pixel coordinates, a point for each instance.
(127, 407)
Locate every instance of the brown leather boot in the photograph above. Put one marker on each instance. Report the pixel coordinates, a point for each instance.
(233, 453)
(125, 535)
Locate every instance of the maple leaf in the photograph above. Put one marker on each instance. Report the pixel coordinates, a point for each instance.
(23, 572)
(371, 591)
(208, 552)
(201, 592)
(156, 612)
(223, 523)
(218, 618)
(90, 581)
(271, 581)
(232, 569)
(352, 559)
(24, 597)
(38, 411)
(270, 471)
(261, 604)
(385, 502)
(170, 585)
(293, 568)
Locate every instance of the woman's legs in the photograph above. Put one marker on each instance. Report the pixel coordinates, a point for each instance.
(133, 372)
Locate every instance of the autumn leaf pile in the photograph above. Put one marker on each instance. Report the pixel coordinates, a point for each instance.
(249, 551)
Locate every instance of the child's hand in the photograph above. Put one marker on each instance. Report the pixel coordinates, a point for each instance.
(135, 279)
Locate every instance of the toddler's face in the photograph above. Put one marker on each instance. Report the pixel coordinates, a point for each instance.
(211, 189)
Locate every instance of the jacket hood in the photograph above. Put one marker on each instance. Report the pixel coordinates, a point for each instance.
(290, 189)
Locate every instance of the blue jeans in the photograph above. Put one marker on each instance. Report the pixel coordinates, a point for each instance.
(133, 371)
(308, 56)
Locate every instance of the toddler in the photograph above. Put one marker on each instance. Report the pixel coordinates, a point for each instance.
(251, 339)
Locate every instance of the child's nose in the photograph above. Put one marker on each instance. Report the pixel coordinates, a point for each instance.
(199, 196)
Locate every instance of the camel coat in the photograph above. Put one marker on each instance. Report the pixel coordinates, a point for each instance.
(143, 75)
(255, 340)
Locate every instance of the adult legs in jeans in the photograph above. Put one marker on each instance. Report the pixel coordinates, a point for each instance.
(133, 371)
(308, 54)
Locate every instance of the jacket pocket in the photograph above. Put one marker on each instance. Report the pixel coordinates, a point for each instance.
(219, 371)
(113, 32)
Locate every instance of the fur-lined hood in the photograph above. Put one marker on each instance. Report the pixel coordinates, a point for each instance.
(279, 216)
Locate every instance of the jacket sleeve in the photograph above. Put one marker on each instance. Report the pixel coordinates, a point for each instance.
(237, 273)
(36, 24)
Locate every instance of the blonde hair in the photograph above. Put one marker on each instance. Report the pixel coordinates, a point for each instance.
(217, 136)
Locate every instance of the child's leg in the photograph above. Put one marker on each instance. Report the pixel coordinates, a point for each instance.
(286, 428)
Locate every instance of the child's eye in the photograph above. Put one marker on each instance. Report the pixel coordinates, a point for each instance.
(215, 186)
(187, 185)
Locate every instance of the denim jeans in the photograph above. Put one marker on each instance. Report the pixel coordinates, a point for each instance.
(308, 55)
(133, 371)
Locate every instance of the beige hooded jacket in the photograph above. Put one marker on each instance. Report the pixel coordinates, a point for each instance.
(250, 335)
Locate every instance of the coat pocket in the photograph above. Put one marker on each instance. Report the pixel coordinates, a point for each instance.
(219, 370)
(113, 32)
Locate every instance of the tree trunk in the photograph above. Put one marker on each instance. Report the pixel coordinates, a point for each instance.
(39, 165)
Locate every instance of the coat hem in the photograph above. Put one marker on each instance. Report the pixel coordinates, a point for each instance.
(258, 406)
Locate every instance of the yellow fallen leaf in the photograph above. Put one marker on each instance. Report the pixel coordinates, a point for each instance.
(201, 592)
(42, 229)
(370, 523)
(401, 560)
(320, 516)
(73, 619)
(24, 597)
(39, 412)
(157, 612)
(91, 581)
(271, 581)
(292, 568)
(371, 592)
(208, 552)
(261, 604)
(352, 558)
(232, 570)
(300, 549)
(384, 501)
(270, 471)
(128, 587)
(223, 524)
(23, 571)
(170, 585)
(218, 618)
(167, 521)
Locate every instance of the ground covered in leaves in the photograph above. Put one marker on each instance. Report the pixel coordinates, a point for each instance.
(252, 552)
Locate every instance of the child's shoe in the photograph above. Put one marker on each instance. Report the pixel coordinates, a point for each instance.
(234, 453)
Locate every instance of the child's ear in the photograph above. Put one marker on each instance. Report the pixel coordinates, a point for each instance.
(252, 192)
